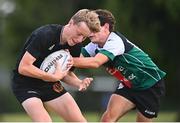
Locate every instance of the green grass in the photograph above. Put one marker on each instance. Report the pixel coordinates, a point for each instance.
(91, 117)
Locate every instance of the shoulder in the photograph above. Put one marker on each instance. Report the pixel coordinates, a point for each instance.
(114, 44)
(91, 45)
(114, 37)
(121, 40)
(47, 29)
(76, 50)
(114, 41)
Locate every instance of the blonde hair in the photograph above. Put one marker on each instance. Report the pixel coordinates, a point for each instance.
(89, 17)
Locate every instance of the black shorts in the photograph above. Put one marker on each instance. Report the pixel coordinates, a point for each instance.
(147, 101)
(45, 91)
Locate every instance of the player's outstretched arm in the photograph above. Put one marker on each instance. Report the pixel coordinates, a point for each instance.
(90, 62)
(85, 83)
(73, 80)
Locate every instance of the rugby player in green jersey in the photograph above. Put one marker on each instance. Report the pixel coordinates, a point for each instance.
(140, 80)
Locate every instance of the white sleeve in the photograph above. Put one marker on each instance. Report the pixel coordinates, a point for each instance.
(114, 44)
(91, 48)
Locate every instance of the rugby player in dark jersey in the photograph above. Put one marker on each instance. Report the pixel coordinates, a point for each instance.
(36, 89)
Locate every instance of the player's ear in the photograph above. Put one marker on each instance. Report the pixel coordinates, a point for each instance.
(106, 26)
(71, 22)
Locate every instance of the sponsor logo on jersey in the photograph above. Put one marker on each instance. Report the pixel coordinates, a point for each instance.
(124, 71)
(51, 47)
(57, 87)
(118, 74)
(120, 86)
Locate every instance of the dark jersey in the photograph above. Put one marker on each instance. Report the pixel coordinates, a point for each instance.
(42, 42)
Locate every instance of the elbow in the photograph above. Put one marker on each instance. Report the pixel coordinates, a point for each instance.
(22, 70)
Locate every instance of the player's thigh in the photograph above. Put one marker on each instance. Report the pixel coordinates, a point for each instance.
(35, 109)
(66, 107)
(118, 105)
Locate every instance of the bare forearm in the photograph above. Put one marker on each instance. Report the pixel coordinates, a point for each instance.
(35, 72)
(27, 68)
(72, 79)
(85, 63)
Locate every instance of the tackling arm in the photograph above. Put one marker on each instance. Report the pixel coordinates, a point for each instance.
(90, 62)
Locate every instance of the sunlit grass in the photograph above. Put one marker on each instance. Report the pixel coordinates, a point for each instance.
(91, 117)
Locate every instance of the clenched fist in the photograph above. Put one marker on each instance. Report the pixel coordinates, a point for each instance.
(85, 83)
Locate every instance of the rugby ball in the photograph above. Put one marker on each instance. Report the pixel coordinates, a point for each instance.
(49, 63)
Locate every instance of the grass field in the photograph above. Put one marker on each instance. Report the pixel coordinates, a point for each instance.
(91, 117)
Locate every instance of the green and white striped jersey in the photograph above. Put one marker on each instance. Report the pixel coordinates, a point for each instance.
(127, 62)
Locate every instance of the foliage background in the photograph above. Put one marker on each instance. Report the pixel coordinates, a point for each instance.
(154, 25)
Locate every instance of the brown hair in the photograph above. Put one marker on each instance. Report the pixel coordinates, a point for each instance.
(89, 17)
(106, 16)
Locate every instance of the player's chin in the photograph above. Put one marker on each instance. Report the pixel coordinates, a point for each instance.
(93, 40)
(71, 43)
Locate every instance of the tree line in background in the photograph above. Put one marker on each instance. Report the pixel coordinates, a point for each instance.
(154, 25)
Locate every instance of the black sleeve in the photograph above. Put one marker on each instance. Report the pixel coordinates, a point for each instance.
(35, 46)
(75, 52)
(39, 41)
